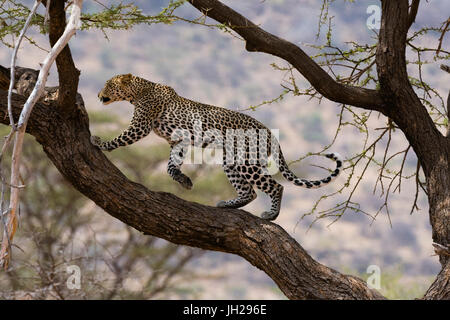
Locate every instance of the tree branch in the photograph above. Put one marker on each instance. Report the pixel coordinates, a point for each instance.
(68, 74)
(413, 12)
(260, 40)
(264, 244)
(405, 107)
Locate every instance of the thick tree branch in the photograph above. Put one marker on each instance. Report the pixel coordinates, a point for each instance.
(260, 40)
(68, 74)
(414, 8)
(405, 107)
(264, 244)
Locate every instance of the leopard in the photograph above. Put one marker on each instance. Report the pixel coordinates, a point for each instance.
(179, 120)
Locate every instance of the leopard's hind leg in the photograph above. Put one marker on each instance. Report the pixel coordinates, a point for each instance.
(256, 177)
(244, 189)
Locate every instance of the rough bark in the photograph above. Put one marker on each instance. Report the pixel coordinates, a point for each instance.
(440, 288)
(264, 244)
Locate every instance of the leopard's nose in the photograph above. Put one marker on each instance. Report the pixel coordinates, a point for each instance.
(103, 99)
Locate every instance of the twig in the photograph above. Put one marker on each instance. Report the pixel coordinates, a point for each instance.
(441, 38)
(448, 115)
(416, 196)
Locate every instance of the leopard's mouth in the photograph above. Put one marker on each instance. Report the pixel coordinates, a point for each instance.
(105, 100)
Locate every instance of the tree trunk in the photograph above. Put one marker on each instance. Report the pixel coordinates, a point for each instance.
(438, 186)
(404, 107)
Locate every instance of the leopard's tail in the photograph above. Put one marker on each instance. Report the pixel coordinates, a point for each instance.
(310, 184)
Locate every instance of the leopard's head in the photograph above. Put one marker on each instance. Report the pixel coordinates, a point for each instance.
(118, 88)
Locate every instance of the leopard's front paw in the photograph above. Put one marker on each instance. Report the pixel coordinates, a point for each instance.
(184, 180)
(96, 141)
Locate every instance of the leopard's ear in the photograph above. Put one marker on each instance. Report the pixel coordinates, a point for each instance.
(126, 78)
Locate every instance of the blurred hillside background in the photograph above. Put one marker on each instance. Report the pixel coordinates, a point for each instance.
(59, 227)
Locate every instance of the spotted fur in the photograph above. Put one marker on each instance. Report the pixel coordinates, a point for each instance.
(161, 109)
